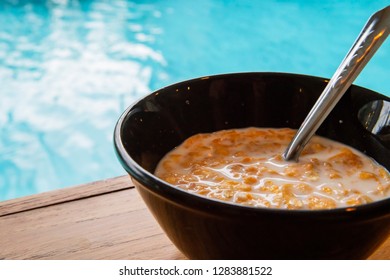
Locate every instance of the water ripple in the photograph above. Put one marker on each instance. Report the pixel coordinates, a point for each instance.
(68, 68)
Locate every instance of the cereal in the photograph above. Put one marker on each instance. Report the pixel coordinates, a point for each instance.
(246, 166)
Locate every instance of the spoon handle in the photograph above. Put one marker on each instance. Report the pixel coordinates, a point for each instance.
(370, 38)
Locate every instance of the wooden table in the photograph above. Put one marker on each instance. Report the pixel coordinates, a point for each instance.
(100, 220)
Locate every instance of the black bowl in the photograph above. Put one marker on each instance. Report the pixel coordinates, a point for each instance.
(203, 228)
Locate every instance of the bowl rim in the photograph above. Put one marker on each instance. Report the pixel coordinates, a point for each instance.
(190, 200)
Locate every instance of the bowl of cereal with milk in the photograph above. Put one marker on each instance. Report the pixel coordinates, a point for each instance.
(206, 157)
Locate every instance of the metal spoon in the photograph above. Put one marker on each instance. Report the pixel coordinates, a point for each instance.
(369, 40)
(375, 117)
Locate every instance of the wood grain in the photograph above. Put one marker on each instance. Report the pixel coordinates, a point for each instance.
(64, 195)
(103, 220)
(383, 253)
(115, 225)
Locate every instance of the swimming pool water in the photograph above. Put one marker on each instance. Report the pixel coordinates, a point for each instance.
(69, 68)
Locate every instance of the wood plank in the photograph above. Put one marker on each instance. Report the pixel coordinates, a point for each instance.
(116, 225)
(111, 224)
(63, 195)
(383, 252)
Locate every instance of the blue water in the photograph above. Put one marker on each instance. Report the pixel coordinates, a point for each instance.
(69, 68)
